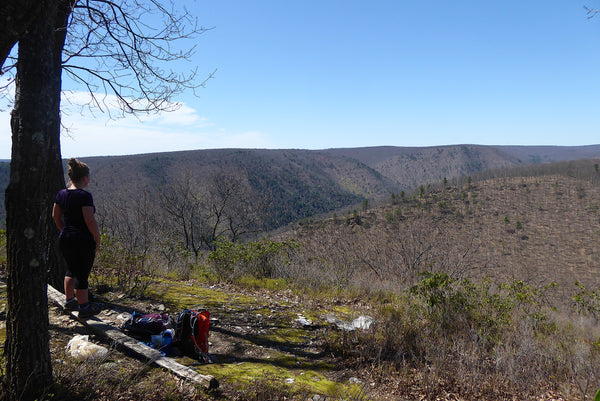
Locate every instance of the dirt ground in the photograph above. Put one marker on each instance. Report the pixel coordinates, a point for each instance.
(253, 334)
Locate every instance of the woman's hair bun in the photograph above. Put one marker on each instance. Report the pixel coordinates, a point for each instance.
(77, 170)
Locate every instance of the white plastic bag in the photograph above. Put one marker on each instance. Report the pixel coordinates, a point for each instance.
(81, 348)
(362, 322)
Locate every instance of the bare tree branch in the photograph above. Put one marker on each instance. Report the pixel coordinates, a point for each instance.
(591, 12)
(127, 54)
(135, 50)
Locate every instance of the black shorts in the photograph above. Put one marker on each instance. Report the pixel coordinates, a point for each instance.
(79, 253)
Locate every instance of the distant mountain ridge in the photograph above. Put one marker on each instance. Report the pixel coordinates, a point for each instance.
(410, 167)
(549, 154)
(304, 183)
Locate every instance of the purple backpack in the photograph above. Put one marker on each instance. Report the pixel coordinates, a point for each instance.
(148, 325)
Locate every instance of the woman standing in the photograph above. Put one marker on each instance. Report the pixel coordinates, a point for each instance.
(79, 237)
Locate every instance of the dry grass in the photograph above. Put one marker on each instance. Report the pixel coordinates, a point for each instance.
(452, 348)
(116, 377)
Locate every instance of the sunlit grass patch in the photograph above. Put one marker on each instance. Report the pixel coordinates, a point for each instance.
(289, 336)
(187, 295)
(290, 372)
(263, 283)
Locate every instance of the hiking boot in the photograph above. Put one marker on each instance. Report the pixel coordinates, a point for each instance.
(71, 304)
(89, 310)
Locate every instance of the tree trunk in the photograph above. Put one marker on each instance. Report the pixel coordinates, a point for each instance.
(56, 179)
(15, 17)
(35, 122)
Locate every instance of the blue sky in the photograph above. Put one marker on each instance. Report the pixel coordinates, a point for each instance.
(322, 74)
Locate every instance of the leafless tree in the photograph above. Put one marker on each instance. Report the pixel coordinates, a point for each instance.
(237, 210)
(132, 230)
(179, 201)
(222, 207)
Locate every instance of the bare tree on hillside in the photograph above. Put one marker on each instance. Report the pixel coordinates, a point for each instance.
(132, 230)
(407, 247)
(224, 207)
(235, 206)
(180, 202)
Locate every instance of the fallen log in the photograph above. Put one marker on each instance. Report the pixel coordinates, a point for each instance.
(112, 333)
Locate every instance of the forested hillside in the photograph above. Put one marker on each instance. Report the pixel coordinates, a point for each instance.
(539, 224)
(295, 184)
(411, 167)
(303, 183)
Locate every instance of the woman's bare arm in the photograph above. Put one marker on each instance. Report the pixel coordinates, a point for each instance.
(57, 215)
(92, 225)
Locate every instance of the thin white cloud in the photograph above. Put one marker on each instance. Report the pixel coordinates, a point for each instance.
(94, 137)
(184, 115)
(96, 134)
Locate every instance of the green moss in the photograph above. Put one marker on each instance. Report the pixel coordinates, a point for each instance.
(343, 311)
(287, 335)
(297, 375)
(189, 296)
(283, 356)
(266, 283)
(262, 311)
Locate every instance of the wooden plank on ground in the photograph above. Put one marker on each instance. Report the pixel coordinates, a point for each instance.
(112, 333)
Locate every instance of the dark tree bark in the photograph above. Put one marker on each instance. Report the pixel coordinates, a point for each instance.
(15, 17)
(35, 124)
(56, 263)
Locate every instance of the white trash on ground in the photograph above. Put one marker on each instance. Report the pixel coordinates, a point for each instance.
(302, 321)
(80, 348)
(362, 322)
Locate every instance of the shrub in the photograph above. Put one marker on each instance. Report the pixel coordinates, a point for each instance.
(485, 339)
(457, 307)
(261, 259)
(122, 268)
(586, 302)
